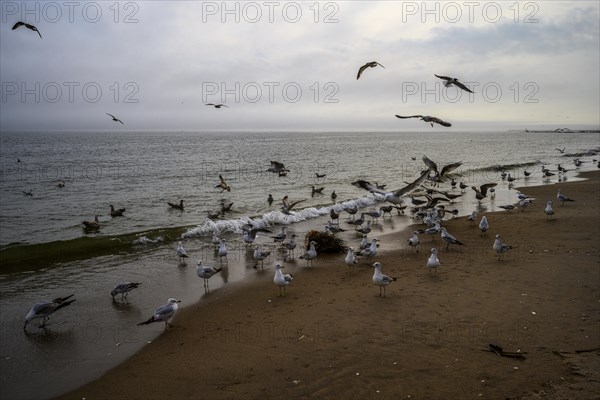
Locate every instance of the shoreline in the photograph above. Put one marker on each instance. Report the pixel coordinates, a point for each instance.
(332, 336)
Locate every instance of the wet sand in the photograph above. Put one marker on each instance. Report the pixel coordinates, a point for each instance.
(332, 336)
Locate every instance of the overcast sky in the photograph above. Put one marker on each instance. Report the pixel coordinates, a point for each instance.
(292, 65)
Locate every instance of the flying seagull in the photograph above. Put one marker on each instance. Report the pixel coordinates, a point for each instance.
(427, 118)
(371, 64)
(216, 105)
(26, 25)
(277, 168)
(394, 197)
(223, 185)
(445, 169)
(453, 81)
(115, 118)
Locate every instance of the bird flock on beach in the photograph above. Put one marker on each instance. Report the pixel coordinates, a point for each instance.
(425, 197)
(426, 204)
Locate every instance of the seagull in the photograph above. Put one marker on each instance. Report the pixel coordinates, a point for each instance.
(280, 237)
(333, 196)
(181, 253)
(216, 105)
(508, 207)
(500, 248)
(365, 229)
(92, 225)
(561, 150)
(433, 262)
(277, 167)
(371, 64)
(427, 118)
(413, 241)
(205, 272)
(270, 199)
(28, 193)
(223, 185)
(222, 250)
(433, 230)
(481, 193)
(380, 279)
(280, 280)
(334, 215)
(439, 175)
(290, 245)
(330, 228)
(60, 184)
(310, 254)
(472, 218)
(352, 210)
(163, 313)
(260, 255)
(176, 206)
(115, 118)
(526, 173)
(375, 214)
(548, 210)
(351, 260)
(317, 191)
(26, 25)
(386, 209)
(317, 175)
(225, 207)
(370, 251)
(524, 203)
(483, 225)
(449, 239)
(562, 198)
(287, 206)
(116, 213)
(46, 308)
(462, 186)
(216, 240)
(510, 178)
(453, 81)
(123, 288)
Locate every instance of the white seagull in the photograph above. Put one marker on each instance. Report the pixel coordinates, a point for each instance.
(205, 272)
(280, 280)
(413, 241)
(163, 313)
(380, 279)
(500, 248)
(222, 250)
(433, 261)
(310, 254)
(548, 210)
(290, 245)
(260, 255)
(181, 253)
(472, 218)
(484, 225)
(46, 308)
(350, 260)
(449, 239)
(562, 198)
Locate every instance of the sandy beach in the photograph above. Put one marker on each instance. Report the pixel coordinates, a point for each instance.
(332, 336)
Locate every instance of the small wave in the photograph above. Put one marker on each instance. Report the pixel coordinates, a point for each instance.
(507, 167)
(271, 218)
(591, 152)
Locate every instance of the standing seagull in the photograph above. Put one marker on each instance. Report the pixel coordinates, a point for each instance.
(222, 250)
(484, 225)
(163, 313)
(290, 245)
(500, 248)
(433, 261)
(449, 239)
(46, 308)
(280, 280)
(206, 272)
(310, 254)
(453, 81)
(371, 64)
(380, 279)
(26, 25)
(413, 241)
(562, 198)
(548, 210)
(427, 118)
(350, 260)
(280, 237)
(260, 255)
(123, 288)
(181, 253)
(115, 118)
